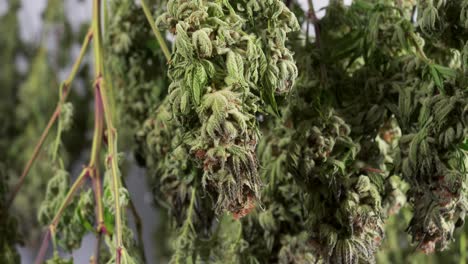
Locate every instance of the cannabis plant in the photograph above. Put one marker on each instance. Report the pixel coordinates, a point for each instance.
(267, 134)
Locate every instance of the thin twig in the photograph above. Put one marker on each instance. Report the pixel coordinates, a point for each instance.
(188, 220)
(97, 186)
(65, 87)
(95, 174)
(156, 32)
(112, 159)
(44, 245)
(419, 50)
(318, 41)
(100, 228)
(35, 154)
(138, 225)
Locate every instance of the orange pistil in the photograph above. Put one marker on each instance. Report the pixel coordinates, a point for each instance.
(249, 206)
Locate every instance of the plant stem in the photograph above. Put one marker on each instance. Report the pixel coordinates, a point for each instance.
(35, 154)
(58, 137)
(138, 226)
(105, 23)
(190, 212)
(111, 131)
(65, 87)
(188, 220)
(156, 32)
(419, 49)
(98, 129)
(76, 65)
(95, 174)
(98, 38)
(463, 248)
(313, 18)
(100, 228)
(112, 158)
(318, 41)
(44, 245)
(97, 186)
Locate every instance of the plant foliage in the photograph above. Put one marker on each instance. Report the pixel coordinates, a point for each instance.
(267, 135)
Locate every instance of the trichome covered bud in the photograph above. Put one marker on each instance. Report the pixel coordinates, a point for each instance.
(226, 65)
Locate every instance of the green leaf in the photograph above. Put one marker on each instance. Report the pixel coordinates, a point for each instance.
(183, 43)
(464, 146)
(196, 79)
(436, 78)
(235, 68)
(184, 103)
(445, 71)
(109, 221)
(87, 225)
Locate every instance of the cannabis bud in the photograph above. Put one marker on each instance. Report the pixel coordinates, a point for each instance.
(227, 64)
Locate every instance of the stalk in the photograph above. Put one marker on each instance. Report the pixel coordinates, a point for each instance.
(95, 174)
(111, 131)
(156, 32)
(100, 228)
(138, 225)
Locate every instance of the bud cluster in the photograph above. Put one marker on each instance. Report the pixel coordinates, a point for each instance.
(220, 74)
(432, 162)
(135, 62)
(347, 224)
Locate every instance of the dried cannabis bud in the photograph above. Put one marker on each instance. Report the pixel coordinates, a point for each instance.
(221, 76)
(420, 93)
